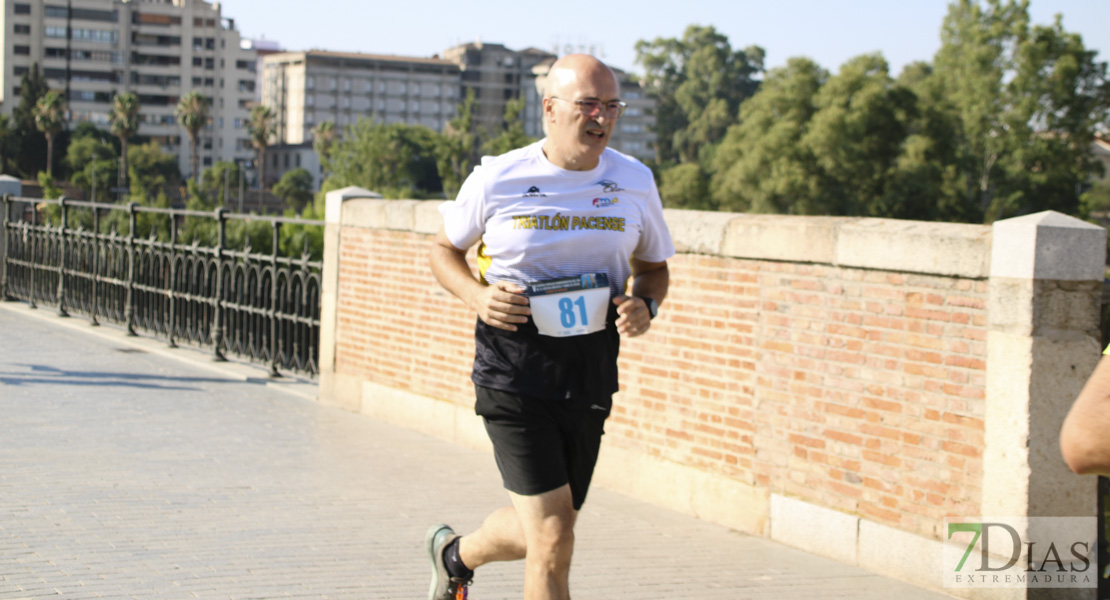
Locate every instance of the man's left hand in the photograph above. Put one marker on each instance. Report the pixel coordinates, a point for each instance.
(635, 318)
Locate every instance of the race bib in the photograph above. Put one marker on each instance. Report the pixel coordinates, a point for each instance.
(571, 305)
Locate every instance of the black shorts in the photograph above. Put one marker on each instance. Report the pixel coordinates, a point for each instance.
(541, 445)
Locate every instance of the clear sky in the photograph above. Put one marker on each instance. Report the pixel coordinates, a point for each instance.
(829, 31)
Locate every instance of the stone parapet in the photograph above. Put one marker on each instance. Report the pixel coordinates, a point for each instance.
(842, 385)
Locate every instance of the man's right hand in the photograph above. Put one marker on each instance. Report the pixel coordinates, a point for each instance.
(501, 305)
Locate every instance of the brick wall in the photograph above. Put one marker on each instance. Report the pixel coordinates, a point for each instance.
(856, 389)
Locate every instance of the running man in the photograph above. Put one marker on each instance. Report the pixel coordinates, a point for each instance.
(562, 225)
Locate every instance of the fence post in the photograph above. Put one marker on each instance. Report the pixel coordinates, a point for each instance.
(96, 268)
(274, 358)
(63, 232)
(4, 248)
(171, 327)
(217, 302)
(31, 252)
(129, 309)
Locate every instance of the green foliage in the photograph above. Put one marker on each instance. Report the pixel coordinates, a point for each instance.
(396, 160)
(123, 122)
(295, 189)
(699, 82)
(191, 113)
(7, 136)
(1000, 125)
(760, 165)
(150, 172)
(1096, 199)
(31, 157)
(50, 190)
(323, 138)
(512, 134)
(1027, 101)
(686, 186)
(454, 151)
(50, 114)
(261, 127)
(91, 160)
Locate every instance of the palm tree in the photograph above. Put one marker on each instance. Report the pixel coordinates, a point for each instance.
(124, 123)
(261, 127)
(50, 117)
(323, 136)
(192, 114)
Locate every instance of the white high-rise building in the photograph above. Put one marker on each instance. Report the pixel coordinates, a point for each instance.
(158, 49)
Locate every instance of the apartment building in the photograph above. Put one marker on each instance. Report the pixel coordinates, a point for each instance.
(158, 49)
(496, 75)
(307, 88)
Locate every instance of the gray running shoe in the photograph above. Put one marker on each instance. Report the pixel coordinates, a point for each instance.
(444, 587)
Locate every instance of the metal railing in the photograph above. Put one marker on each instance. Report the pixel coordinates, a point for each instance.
(257, 305)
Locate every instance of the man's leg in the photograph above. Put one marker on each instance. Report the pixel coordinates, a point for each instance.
(539, 529)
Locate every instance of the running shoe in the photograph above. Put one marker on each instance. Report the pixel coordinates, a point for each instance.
(444, 587)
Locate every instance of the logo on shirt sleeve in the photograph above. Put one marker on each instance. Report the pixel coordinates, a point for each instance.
(534, 192)
(609, 185)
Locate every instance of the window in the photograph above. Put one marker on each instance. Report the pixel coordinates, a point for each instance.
(22, 50)
(309, 83)
(346, 85)
(198, 61)
(153, 19)
(55, 12)
(53, 31)
(22, 29)
(22, 9)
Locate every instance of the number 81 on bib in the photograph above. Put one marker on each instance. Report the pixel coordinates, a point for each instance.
(570, 313)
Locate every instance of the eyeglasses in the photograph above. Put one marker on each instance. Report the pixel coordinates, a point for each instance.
(590, 108)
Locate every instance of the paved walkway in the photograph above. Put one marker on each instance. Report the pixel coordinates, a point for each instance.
(127, 473)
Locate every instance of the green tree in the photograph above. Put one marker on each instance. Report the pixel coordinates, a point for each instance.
(50, 118)
(123, 122)
(396, 160)
(856, 136)
(32, 147)
(192, 113)
(261, 127)
(295, 189)
(92, 163)
(760, 165)
(699, 82)
(1027, 102)
(323, 138)
(512, 134)
(454, 150)
(7, 135)
(686, 186)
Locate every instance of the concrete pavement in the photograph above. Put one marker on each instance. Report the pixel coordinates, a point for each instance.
(130, 470)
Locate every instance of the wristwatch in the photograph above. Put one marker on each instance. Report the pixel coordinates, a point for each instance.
(652, 306)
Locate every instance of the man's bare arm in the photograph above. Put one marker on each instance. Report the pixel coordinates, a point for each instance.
(1085, 436)
(649, 280)
(500, 305)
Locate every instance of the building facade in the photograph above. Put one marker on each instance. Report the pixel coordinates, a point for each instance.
(158, 49)
(308, 88)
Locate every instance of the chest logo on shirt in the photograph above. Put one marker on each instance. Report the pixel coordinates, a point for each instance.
(609, 185)
(604, 202)
(534, 192)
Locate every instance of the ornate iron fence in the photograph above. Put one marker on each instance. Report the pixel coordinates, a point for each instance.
(261, 306)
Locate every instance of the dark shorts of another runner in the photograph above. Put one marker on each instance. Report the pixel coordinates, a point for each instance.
(541, 445)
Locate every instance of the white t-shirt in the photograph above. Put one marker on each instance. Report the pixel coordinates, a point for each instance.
(537, 221)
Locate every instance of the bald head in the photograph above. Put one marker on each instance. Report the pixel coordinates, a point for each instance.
(577, 124)
(566, 72)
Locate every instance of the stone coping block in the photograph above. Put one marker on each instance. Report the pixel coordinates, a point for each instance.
(1048, 245)
(333, 201)
(951, 249)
